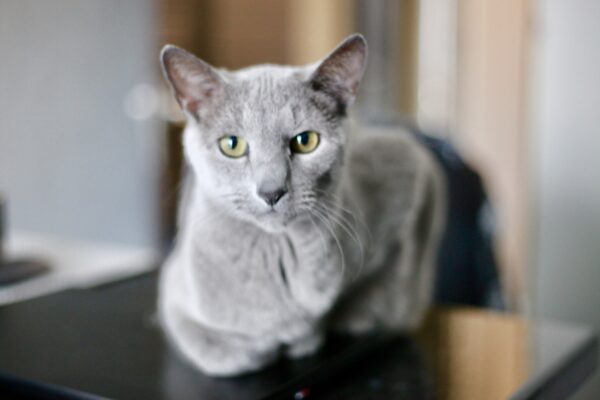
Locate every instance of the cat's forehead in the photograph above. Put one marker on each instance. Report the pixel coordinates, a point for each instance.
(267, 98)
(268, 84)
(269, 72)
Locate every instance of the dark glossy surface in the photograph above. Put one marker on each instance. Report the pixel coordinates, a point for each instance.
(104, 341)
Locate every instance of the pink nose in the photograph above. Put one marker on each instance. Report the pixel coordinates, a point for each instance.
(272, 197)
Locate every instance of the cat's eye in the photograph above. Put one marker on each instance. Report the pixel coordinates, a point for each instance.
(305, 142)
(233, 146)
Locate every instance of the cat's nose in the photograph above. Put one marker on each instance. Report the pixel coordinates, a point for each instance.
(271, 197)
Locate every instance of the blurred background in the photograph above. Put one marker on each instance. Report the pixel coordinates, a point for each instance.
(90, 146)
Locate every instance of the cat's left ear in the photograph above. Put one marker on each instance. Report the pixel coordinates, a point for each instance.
(196, 85)
(339, 74)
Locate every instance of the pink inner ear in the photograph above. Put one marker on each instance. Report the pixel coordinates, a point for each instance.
(340, 73)
(191, 106)
(194, 82)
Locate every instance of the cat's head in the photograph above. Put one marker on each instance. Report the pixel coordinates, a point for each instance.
(266, 142)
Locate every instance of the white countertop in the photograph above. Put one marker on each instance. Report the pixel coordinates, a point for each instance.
(73, 263)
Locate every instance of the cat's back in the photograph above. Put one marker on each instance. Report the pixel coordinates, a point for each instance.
(389, 160)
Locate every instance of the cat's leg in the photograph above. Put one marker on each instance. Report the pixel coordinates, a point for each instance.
(393, 299)
(305, 346)
(215, 352)
(384, 302)
(397, 295)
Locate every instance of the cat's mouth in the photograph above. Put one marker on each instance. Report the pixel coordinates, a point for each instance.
(273, 220)
(272, 215)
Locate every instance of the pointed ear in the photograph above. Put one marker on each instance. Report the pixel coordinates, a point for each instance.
(339, 74)
(195, 84)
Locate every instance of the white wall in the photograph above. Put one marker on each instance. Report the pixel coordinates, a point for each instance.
(71, 161)
(567, 125)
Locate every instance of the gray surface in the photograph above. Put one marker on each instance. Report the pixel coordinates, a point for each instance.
(564, 356)
(71, 161)
(567, 136)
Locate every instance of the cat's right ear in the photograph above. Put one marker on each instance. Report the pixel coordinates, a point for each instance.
(195, 83)
(339, 74)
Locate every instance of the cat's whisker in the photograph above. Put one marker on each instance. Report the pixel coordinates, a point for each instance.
(334, 198)
(237, 199)
(345, 224)
(215, 214)
(339, 201)
(340, 220)
(219, 213)
(356, 215)
(320, 233)
(334, 209)
(348, 228)
(327, 225)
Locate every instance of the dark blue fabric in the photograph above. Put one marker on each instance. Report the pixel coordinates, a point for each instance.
(467, 269)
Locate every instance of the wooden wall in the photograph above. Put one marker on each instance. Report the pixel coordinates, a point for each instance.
(491, 114)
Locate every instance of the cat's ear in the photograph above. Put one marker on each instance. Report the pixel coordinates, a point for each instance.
(195, 83)
(339, 74)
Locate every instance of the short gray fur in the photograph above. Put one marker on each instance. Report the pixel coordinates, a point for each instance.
(351, 246)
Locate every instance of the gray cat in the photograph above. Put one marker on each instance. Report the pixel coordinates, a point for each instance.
(288, 225)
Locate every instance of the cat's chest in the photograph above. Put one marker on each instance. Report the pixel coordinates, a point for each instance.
(256, 283)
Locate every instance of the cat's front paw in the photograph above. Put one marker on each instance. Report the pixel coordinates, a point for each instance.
(305, 346)
(231, 364)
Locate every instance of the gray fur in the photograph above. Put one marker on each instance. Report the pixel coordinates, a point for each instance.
(351, 246)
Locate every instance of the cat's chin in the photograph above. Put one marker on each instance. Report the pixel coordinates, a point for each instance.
(272, 222)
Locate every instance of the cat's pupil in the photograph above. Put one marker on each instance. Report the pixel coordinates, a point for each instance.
(303, 139)
(233, 141)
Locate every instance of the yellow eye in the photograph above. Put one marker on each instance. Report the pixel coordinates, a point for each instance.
(305, 142)
(233, 146)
